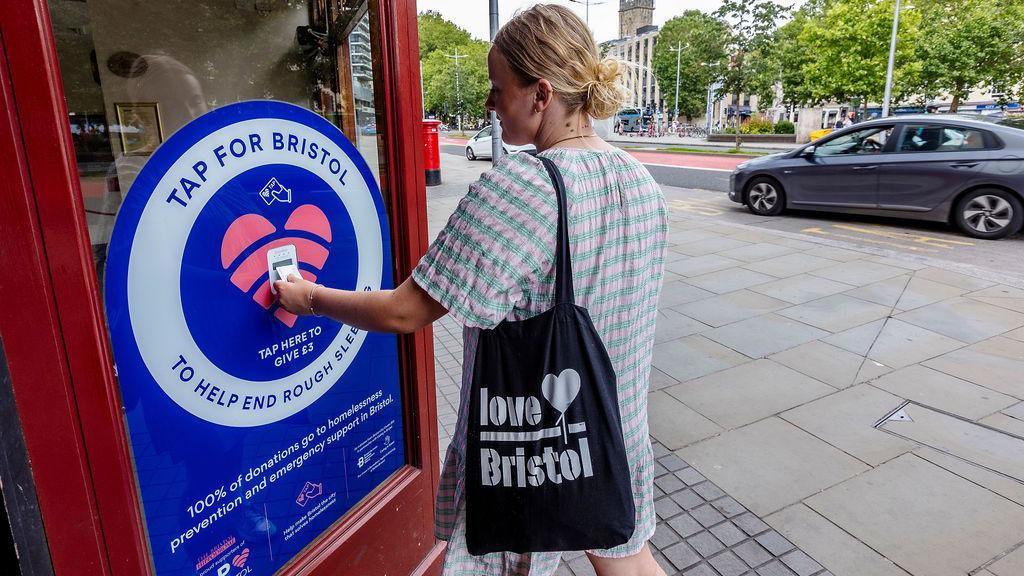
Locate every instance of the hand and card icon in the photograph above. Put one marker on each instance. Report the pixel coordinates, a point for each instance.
(274, 191)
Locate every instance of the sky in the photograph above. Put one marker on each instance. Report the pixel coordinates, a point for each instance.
(474, 15)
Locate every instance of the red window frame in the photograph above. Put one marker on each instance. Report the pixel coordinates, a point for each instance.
(54, 333)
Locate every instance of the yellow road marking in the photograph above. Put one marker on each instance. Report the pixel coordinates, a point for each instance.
(916, 238)
(816, 230)
(695, 206)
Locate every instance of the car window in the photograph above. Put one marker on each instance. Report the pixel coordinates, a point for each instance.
(924, 138)
(485, 133)
(866, 141)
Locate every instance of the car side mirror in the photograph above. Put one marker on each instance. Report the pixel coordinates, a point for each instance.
(809, 151)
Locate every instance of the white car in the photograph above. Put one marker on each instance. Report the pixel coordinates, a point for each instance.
(479, 146)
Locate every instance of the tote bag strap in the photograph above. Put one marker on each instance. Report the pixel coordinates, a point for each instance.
(563, 259)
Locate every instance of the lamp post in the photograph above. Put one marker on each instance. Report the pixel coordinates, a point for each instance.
(678, 49)
(892, 61)
(588, 4)
(458, 86)
(495, 126)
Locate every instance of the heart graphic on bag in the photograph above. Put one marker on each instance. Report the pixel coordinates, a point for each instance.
(560, 391)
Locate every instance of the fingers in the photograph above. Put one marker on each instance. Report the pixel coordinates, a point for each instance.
(295, 276)
(278, 286)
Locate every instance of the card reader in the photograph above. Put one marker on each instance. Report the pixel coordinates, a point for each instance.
(282, 262)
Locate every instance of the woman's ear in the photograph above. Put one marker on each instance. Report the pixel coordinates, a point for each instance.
(543, 95)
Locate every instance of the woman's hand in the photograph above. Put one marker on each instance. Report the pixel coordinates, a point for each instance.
(293, 294)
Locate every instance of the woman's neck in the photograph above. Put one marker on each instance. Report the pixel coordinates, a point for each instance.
(574, 130)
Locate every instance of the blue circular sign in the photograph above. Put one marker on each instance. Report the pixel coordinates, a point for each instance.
(191, 261)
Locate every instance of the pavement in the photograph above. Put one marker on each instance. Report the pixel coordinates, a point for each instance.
(818, 404)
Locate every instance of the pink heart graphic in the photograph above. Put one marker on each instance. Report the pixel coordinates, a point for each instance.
(248, 229)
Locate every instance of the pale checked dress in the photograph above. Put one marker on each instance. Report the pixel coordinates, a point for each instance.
(494, 260)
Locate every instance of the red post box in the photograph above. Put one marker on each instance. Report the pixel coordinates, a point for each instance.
(431, 152)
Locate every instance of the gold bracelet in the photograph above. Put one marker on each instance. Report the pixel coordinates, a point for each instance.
(311, 293)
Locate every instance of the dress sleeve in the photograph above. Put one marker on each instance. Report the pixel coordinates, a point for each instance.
(494, 244)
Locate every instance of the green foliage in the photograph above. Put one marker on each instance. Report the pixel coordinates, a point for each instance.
(446, 96)
(784, 127)
(847, 49)
(752, 25)
(445, 93)
(703, 39)
(970, 44)
(438, 34)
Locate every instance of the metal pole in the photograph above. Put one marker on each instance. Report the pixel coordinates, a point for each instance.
(587, 3)
(458, 86)
(496, 146)
(892, 61)
(679, 51)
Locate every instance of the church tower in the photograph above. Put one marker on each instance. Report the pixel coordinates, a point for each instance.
(634, 14)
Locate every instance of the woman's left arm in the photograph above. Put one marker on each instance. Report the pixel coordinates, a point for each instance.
(402, 310)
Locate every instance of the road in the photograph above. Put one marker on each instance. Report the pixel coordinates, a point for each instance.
(695, 184)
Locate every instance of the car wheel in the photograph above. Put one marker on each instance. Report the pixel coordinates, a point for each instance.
(469, 153)
(989, 213)
(765, 197)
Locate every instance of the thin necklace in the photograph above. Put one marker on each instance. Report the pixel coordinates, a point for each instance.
(570, 138)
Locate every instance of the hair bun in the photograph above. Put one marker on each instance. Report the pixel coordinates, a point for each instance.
(605, 94)
(608, 70)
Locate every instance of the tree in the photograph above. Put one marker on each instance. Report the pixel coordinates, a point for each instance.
(445, 97)
(970, 44)
(751, 27)
(703, 39)
(848, 48)
(438, 34)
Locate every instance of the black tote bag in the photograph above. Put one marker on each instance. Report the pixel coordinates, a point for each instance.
(546, 465)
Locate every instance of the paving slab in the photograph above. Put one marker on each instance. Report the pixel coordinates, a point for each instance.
(899, 262)
(674, 424)
(679, 292)
(922, 517)
(830, 364)
(940, 390)
(1002, 296)
(748, 392)
(835, 253)
(894, 343)
(964, 319)
(906, 292)
(672, 324)
(841, 553)
(1010, 565)
(992, 449)
(997, 364)
(709, 246)
(693, 357)
(701, 265)
(660, 380)
(1005, 423)
(1005, 486)
(836, 313)
(677, 236)
(729, 280)
(858, 272)
(1017, 334)
(756, 252)
(801, 288)
(733, 307)
(789, 265)
(763, 335)
(953, 278)
(770, 464)
(846, 420)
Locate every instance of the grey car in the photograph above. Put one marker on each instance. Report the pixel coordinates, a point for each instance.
(963, 170)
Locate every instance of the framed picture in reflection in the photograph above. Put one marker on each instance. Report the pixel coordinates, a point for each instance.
(140, 127)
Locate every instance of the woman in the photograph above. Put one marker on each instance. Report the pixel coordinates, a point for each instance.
(494, 260)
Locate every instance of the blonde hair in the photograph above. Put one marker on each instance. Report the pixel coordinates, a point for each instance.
(553, 43)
